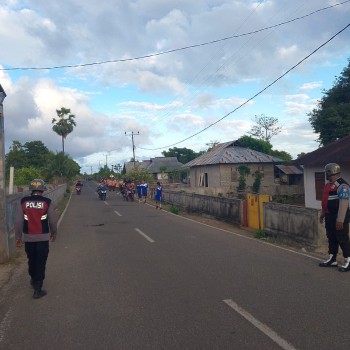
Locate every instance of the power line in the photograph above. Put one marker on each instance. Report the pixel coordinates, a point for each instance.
(251, 98)
(217, 53)
(174, 50)
(212, 77)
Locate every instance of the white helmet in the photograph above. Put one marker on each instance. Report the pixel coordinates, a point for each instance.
(331, 169)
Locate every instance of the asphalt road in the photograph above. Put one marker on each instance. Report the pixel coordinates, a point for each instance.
(124, 275)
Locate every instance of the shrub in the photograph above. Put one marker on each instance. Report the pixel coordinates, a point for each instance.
(174, 210)
(257, 182)
(260, 234)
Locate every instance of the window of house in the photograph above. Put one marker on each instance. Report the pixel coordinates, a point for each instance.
(234, 177)
(319, 185)
(261, 171)
(203, 180)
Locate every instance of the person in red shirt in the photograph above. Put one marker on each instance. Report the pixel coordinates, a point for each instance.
(335, 213)
(36, 225)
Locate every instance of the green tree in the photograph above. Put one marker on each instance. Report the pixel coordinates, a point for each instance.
(183, 155)
(264, 147)
(36, 153)
(212, 144)
(16, 157)
(103, 172)
(138, 174)
(64, 125)
(331, 118)
(282, 154)
(61, 167)
(24, 175)
(255, 144)
(265, 128)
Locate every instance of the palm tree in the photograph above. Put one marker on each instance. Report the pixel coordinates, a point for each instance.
(63, 125)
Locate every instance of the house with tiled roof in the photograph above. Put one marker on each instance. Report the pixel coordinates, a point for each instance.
(220, 171)
(314, 163)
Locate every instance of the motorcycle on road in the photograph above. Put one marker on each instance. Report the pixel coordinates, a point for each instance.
(102, 192)
(78, 189)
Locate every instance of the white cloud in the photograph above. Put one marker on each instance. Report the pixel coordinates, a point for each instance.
(165, 97)
(311, 86)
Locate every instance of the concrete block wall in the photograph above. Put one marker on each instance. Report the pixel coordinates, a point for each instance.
(218, 207)
(289, 223)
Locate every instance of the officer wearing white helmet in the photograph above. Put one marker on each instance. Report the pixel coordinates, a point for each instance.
(36, 225)
(335, 213)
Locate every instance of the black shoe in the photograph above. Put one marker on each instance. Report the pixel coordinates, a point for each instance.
(39, 293)
(346, 266)
(331, 262)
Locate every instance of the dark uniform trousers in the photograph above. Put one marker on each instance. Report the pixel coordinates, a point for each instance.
(336, 237)
(37, 253)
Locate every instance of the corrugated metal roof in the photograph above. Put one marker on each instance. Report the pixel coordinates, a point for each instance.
(335, 152)
(231, 153)
(290, 169)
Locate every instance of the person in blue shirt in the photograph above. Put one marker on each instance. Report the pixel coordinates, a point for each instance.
(144, 188)
(159, 195)
(139, 193)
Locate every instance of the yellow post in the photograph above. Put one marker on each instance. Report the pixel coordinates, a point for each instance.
(262, 199)
(253, 211)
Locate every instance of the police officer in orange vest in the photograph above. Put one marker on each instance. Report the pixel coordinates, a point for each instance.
(36, 225)
(335, 213)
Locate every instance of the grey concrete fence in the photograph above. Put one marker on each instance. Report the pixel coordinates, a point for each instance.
(286, 223)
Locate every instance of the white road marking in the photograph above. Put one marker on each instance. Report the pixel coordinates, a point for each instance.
(144, 235)
(261, 326)
(117, 213)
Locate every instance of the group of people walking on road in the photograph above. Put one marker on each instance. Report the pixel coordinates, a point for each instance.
(36, 223)
(141, 189)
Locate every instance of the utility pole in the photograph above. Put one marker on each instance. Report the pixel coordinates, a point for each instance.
(133, 145)
(4, 244)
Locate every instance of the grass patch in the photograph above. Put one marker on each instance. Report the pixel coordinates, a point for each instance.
(260, 234)
(174, 210)
(62, 204)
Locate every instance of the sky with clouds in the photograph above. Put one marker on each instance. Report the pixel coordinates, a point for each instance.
(181, 73)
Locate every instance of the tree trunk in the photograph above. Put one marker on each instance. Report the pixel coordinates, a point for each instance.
(63, 145)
